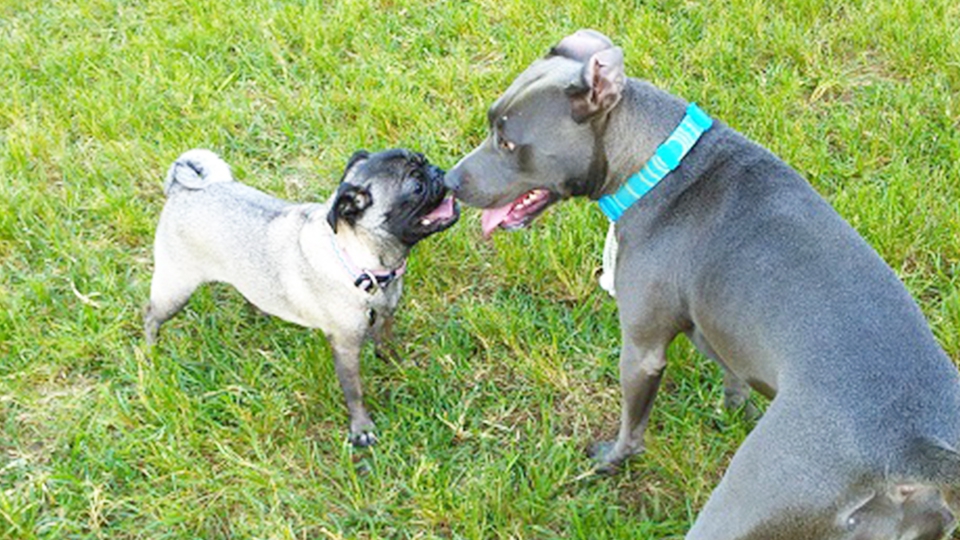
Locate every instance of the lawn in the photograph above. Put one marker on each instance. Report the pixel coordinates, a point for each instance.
(234, 426)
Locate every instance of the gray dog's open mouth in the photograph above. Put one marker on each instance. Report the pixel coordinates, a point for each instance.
(517, 213)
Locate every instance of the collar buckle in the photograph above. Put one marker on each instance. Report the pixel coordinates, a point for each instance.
(365, 282)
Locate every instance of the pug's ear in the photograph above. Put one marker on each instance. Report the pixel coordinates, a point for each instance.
(348, 205)
(357, 158)
(600, 84)
(350, 201)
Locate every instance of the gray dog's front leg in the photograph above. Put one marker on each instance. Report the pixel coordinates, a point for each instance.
(346, 357)
(641, 369)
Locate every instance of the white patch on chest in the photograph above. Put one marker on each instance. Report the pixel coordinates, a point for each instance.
(609, 261)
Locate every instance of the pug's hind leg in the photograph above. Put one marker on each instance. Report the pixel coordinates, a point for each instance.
(168, 295)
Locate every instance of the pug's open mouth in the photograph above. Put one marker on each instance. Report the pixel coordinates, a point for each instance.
(442, 216)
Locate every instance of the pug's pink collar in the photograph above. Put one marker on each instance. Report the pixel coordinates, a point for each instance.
(364, 278)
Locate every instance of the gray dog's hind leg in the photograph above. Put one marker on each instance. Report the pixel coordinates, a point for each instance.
(779, 484)
(641, 368)
(736, 392)
(736, 396)
(346, 358)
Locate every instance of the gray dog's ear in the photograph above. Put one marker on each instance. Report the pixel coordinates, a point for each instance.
(348, 205)
(581, 45)
(600, 86)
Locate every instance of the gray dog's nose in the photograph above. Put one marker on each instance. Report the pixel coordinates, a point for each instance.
(452, 179)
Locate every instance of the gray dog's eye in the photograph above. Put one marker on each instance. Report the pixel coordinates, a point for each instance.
(505, 144)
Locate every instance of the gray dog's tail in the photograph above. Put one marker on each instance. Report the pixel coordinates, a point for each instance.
(196, 169)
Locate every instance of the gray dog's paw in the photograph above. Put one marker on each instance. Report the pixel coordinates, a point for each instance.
(602, 453)
(363, 439)
(751, 412)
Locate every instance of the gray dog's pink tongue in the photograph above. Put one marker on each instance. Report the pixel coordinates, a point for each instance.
(444, 210)
(492, 218)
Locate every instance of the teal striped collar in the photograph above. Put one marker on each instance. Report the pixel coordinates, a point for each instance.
(664, 160)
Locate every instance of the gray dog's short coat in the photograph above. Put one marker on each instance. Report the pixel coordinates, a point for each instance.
(737, 251)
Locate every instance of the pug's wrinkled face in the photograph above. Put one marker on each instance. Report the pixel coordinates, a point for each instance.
(397, 192)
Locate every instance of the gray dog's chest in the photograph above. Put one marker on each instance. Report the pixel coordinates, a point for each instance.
(609, 270)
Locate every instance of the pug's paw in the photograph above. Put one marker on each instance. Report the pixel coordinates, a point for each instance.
(363, 439)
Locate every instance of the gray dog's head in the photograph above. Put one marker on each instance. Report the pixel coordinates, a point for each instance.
(394, 192)
(545, 141)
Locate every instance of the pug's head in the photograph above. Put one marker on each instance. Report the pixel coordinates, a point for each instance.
(395, 192)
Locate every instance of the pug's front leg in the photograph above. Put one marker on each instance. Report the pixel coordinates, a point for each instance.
(346, 358)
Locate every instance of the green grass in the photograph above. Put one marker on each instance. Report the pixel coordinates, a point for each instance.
(234, 426)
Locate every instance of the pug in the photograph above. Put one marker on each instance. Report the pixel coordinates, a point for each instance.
(336, 266)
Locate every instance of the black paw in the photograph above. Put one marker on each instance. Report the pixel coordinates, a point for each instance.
(363, 439)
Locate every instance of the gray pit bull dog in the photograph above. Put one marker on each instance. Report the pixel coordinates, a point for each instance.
(737, 251)
(335, 266)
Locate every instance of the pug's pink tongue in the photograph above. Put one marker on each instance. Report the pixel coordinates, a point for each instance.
(492, 218)
(444, 210)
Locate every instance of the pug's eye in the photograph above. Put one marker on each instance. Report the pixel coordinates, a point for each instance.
(418, 185)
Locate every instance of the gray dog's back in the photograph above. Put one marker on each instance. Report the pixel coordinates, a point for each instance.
(788, 293)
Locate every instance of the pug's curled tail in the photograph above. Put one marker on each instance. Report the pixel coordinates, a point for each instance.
(196, 169)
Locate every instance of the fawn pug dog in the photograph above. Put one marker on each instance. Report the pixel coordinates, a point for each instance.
(336, 266)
